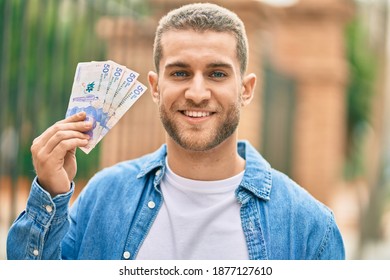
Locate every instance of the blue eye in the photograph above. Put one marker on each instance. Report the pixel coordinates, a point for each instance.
(218, 74)
(180, 74)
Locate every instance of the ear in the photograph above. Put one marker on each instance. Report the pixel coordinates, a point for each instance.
(153, 83)
(248, 89)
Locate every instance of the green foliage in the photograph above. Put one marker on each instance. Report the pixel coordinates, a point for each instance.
(362, 65)
(41, 43)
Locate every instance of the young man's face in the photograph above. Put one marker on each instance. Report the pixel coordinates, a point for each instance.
(199, 88)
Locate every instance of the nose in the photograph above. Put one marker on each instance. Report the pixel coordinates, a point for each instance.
(197, 90)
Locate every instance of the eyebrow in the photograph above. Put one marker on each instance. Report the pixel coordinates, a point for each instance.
(177, 64)
(217, 64)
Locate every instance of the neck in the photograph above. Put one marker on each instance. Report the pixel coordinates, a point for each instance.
(218, 163)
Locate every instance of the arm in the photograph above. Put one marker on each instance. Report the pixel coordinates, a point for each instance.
(38, 231)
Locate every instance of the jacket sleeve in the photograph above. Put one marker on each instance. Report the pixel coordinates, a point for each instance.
(38, 231)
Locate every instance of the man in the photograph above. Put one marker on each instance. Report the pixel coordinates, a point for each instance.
(203, 195)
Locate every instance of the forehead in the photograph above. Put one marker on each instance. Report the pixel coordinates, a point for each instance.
(198, 46)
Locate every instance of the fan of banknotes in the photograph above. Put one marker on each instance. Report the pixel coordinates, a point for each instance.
(105, 90)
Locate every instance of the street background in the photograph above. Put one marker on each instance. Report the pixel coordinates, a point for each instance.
(321, 112)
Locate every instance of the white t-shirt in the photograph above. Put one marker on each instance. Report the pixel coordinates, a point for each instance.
(197, 220)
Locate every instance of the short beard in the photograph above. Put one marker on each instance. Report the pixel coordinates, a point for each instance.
(216, 136)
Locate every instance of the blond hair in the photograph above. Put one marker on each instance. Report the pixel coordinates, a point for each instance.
(203, 17)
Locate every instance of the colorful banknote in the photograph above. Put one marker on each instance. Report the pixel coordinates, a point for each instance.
(105, 90)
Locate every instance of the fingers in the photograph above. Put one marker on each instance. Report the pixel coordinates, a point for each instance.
(65, 140)
(74, 122)
(63, 148)
(62, 136)
(74, 118)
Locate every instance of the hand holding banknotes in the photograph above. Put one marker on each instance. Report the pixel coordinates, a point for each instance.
(54, 150)
(102, 92)
(105, 90)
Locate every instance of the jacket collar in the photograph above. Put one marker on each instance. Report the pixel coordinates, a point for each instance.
(257, 178)
(155, 160)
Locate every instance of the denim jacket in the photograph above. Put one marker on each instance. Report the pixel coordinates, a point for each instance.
(113, 214)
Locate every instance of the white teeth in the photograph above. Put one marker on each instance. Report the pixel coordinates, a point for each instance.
(196, 114)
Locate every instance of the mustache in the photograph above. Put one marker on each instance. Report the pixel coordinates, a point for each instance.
(191, 104)
(204, 105)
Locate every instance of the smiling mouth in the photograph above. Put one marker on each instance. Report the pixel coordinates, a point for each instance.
(196, 114)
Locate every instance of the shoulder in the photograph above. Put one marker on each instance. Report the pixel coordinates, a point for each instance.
(312, 220)
(274, 186)
(296, 198)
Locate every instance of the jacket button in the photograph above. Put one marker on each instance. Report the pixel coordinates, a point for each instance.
(151, 204)
(126, 255)
(49, 209)
(158, 172)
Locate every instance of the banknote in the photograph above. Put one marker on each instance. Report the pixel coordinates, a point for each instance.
(113, 98)
(129, 79)
(130, 98)
(115, 78)
(88, 94)
(105, 90)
